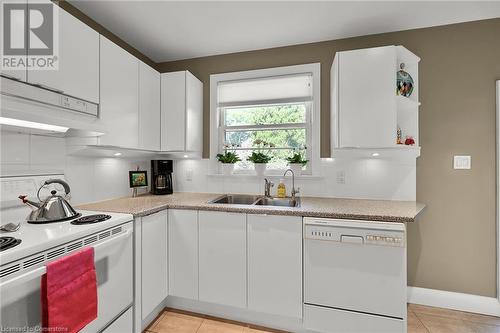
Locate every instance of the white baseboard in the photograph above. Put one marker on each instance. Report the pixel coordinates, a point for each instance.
(237, 314)
(455, 301)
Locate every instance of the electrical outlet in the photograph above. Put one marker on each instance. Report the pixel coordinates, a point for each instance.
(341, 177)
(189, 175)
(462, 162)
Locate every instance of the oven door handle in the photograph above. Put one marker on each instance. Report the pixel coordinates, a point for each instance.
(23, 278)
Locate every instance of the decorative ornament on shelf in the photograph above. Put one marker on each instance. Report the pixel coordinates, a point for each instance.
(399, 136)
(404, 82)
(410, 141)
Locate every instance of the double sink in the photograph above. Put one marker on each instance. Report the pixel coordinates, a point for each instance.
(255, 200)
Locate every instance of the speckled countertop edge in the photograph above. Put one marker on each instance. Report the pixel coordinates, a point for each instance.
(356, 209)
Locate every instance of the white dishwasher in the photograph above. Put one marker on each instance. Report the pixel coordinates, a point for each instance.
(354, 276)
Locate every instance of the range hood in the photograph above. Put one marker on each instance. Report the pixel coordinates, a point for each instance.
(29, 108)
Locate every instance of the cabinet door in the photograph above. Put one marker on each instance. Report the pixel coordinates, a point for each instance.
(275, 264)
(18, 24)
(222, 258)
(194, 113)
(183, 253)
(119, 96)
(173, 111)
(149, 108)
(366, 99)
(154, 261)
(78, 72)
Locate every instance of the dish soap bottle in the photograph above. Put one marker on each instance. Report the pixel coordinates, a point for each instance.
(281, 189)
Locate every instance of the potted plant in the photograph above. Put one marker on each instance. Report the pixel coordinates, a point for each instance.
(260, 158)
(228, 159)
(296, 162)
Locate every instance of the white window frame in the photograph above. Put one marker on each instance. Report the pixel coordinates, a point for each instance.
(313, 131)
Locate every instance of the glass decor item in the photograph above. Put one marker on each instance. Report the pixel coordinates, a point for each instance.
(404, 83)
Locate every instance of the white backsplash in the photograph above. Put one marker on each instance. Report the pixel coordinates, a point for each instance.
(367, 178)
(91, 179)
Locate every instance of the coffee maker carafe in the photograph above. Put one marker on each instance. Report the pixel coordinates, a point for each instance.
(161, 173)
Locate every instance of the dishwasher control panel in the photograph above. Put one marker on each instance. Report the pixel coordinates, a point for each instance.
(344, 233)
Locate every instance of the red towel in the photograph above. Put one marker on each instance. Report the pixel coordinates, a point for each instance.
(69, 292)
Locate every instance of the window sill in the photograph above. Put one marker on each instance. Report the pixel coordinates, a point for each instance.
(272, 176)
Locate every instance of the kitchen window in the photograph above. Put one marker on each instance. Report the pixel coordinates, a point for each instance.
(271, 110)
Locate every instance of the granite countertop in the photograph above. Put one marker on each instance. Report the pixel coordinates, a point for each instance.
(359, 209)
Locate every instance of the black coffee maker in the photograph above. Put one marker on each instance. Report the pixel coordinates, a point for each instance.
(161, 176)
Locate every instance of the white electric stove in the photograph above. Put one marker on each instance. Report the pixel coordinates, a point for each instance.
(25, 253)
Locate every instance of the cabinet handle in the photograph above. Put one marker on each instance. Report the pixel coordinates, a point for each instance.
(48, 88)
(11, 77)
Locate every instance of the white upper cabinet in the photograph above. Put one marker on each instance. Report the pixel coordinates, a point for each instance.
(366, 111)
(149, 108)
(119, 105)
(19, 24)
(275, 264)
(222, 258)
(181, 113)
(78, 72)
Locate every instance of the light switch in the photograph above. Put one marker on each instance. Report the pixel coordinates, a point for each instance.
(461, 162)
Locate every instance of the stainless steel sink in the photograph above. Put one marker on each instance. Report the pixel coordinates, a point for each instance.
(236, 199)
(279, 202)
(257, 200)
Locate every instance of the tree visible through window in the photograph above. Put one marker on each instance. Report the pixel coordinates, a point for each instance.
(279, 130)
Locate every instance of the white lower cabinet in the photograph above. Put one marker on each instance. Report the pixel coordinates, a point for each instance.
(154, 261)
(121, 324)
(183, 253)
(222, 258)
(275, 264)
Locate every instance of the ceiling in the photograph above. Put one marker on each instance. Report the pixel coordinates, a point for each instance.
(173, 30)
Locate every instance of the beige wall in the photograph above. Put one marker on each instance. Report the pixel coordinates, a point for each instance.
(453, 246)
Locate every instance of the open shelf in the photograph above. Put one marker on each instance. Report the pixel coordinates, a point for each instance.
(396, 151)
(407, 104)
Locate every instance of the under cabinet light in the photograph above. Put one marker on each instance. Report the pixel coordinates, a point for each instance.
(186, 156)
(117, 154)
(375, 154)
(32, 124)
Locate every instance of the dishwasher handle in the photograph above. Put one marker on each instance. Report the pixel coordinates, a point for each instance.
(351, 239)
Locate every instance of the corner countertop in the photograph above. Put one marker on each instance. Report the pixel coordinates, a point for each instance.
(358, 209)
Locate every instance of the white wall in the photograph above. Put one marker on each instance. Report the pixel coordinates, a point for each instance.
(91, 179)
(368, 178)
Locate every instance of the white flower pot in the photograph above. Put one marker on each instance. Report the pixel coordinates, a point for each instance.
(227, 169)
(296, 168)
(260, 168)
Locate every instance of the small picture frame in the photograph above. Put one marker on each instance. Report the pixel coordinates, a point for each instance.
(138, 178)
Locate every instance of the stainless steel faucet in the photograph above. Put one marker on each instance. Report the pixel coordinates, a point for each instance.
(294, 190)
(267, 187)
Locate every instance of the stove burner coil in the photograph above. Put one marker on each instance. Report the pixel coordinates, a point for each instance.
(89, 219)
(8, 242)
